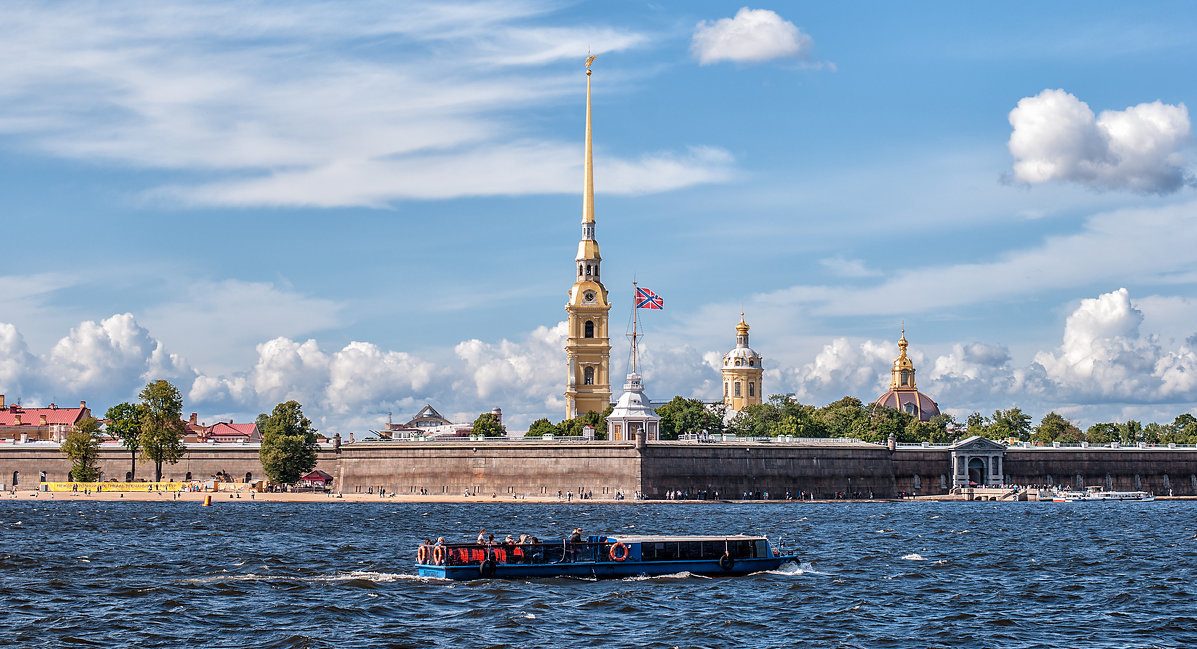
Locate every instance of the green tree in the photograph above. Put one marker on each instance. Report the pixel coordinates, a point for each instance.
(884, 422)
(1102, 433)
(541, 427)
(162, 425)
(755, 420)
(934, 430)
(1130, 432)
(846, 417)
(488, 425)
(288, 443)
(682, 416)
(1054, 427)
(1010, 423)
(977, 425)
(1154, 433)
(124, 423)
(82, 446)
(1182, 430)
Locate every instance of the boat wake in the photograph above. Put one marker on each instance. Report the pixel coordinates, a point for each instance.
(673, 575)
(376, 577)
(792, 569)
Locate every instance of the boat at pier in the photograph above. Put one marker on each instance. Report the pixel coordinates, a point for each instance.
(1097, 494)
(603, 557)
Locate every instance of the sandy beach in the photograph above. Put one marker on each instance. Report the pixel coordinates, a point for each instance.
(226, 497)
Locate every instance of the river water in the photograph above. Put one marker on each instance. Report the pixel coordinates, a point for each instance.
(341, 575)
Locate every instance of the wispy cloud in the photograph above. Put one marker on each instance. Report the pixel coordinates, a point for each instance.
(314, 104)
(1112, 247)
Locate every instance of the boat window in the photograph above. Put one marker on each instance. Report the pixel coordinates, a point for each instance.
(762, 548)
(742, 549)
(690, 550)
(712, 549)
(659, 551)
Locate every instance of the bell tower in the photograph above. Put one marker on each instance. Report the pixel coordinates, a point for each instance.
(742, 372)
(588, 348)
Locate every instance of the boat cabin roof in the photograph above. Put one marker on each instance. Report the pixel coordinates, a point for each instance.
(649, 538)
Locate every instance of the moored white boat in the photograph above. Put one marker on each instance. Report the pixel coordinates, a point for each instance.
(1097, 494)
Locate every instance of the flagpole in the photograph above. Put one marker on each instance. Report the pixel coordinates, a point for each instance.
(635, 323)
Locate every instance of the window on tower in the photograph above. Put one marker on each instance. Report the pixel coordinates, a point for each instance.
(905, 377)
(737, 388)
(588, 376)
(588, 329)
(752, 388)
(739, 362)
(752, 362)
(725, 389)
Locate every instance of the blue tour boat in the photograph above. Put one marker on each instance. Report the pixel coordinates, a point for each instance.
(603, 557)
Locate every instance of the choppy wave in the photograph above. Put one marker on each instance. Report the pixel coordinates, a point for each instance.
(311, 575)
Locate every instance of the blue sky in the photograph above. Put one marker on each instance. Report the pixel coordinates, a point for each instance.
(375, 205)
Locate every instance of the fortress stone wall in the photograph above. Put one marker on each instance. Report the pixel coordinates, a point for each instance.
(200, 462)
(823, 468)
(1160, 470)
(496, 467)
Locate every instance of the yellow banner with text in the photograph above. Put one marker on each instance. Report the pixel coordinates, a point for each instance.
(116, 486)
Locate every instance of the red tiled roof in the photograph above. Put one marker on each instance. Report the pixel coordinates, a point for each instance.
(225, 429)
(317, 475)
(33, 416)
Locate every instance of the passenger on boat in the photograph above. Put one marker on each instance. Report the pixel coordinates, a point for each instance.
(481, 537)
(575, 540)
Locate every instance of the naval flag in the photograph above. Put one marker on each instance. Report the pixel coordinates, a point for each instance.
(646, 299)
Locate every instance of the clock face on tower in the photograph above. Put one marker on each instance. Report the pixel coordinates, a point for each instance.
(588, 296)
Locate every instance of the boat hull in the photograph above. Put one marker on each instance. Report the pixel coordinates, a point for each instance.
(606, 569)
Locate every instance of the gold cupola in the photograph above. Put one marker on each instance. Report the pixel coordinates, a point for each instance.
(902, 377)
(903, 394)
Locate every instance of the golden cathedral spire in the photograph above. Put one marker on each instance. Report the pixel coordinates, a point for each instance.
(588, 348)
(588, 165)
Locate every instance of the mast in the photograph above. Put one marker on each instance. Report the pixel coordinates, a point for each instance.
(635, 331)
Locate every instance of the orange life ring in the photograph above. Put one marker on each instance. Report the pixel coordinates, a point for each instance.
(422, 554)
(619, 552)
(438, 555)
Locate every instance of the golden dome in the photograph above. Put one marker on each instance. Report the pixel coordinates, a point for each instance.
(742, 328)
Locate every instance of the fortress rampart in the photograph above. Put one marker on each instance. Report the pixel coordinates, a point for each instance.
(822, 468)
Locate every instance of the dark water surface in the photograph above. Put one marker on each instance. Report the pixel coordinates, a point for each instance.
(341, 575)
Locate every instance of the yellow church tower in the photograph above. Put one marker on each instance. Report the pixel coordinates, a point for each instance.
(588, 349)
(742, 372)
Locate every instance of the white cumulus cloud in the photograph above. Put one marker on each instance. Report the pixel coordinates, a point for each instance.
(751, 36)
(104, 357)
(1056, 137)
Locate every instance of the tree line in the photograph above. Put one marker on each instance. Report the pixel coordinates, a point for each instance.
(152, 429)
(849, 417)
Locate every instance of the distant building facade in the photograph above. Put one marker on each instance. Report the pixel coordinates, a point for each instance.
(222, 432)
(428, 423)
(46, 424)
(903, 393)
